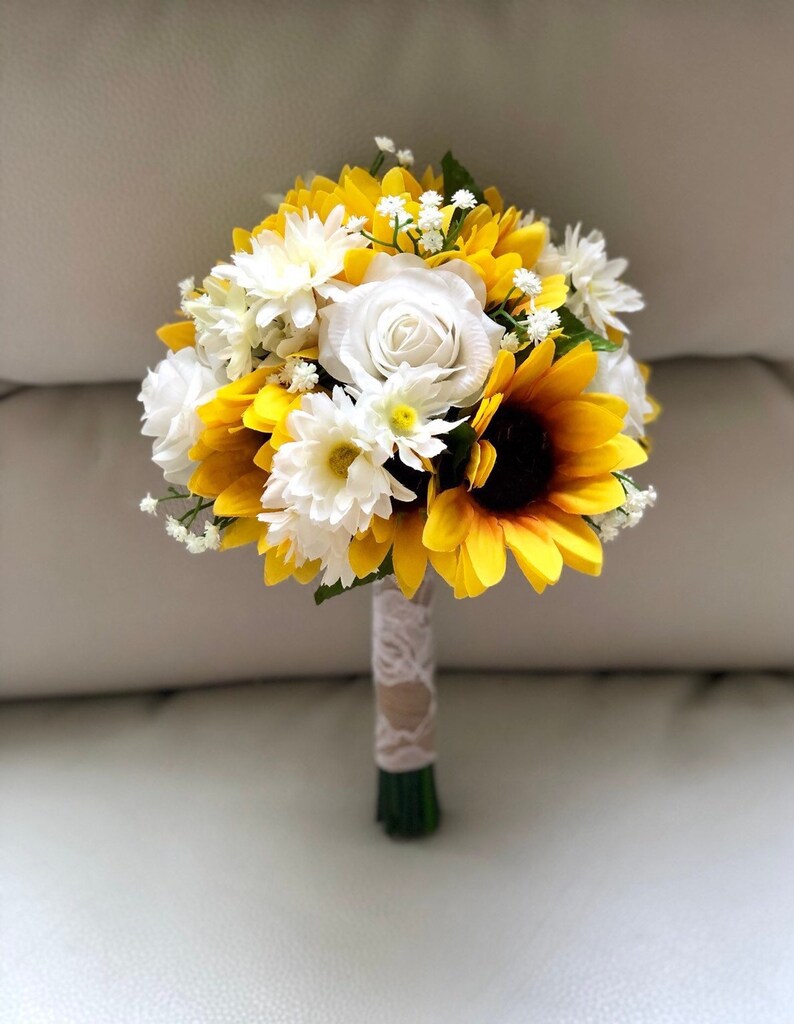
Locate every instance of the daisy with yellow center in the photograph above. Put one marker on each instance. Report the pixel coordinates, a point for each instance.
(545, 457)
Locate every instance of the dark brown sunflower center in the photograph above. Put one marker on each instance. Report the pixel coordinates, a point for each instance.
(524, 461)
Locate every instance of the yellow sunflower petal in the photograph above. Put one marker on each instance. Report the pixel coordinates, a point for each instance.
(305, 573)
(486, 463)
(578, 543)
(448, 520)
(536, 363)
(528, 242)
(446, 565)
(366, 553)
(409, 553)
(243, 497)
(467, 583)
(271, 405)
(588, 496)
(501, 374)
(485, 546)
(592, 461)
(357, 263)
(611, 403)
(241, 532)
(553, 293)
(179, 335)
(631, 452)
(576, 425)
(485, 413)
(241, 240)
(566, 378)
(383, 529)
(219, 471)
(533, 549)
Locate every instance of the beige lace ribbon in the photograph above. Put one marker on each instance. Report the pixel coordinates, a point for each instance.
(403, 671)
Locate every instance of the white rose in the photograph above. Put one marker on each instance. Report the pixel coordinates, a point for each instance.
(618, 374)
(171, 393)
(405, 312)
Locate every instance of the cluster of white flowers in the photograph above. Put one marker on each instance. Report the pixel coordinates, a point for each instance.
(405, 157)
(196, 543)
(298, 375)
(609, 524)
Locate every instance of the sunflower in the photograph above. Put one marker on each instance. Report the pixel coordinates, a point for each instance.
(544, 459)
(244, 425)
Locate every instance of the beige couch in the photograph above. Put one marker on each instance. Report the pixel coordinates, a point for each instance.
(616, 849)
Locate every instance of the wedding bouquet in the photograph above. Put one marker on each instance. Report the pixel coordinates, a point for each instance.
(392, 378)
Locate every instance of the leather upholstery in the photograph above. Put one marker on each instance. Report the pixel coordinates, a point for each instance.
(134, 138)
(614, 850)
(95, 597)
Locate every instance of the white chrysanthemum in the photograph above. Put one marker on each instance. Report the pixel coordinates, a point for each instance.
(407, 312)
(405, 158)
(430, 219)
(511, 342)
(171, 393)
(400, 413)
(552, 261)
(618, 373)
(598, 294)
(284, 276)
(385, 144)
(225, 327)
(332, 473)
(307, 542)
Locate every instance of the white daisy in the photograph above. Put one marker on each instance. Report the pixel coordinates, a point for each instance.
(332, 472)
(598, 294)
(402, 413)
(284, 276)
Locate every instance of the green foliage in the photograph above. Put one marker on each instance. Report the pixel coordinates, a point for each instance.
(453, 461)
(456, 176)
(324, 593)
(574, 333)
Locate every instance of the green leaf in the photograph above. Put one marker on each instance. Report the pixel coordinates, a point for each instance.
(453, 461)
(324, 593)
(456, 176)
(574, 333)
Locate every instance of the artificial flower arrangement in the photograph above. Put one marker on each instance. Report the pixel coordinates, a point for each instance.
(394, 378)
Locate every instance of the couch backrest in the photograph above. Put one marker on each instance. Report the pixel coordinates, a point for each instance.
(135, 136)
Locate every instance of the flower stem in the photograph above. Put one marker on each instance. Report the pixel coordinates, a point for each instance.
(407, 802)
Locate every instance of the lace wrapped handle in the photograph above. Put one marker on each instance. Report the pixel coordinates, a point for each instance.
(403, 674)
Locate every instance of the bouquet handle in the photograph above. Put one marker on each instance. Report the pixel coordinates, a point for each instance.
(403, 673)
